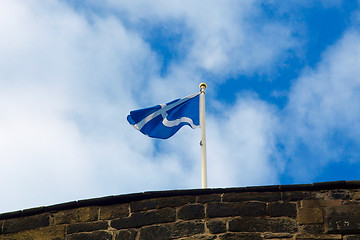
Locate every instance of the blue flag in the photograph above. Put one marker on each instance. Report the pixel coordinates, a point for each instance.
(164, 120)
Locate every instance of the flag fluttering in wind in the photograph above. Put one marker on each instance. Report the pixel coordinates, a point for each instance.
(164, 120)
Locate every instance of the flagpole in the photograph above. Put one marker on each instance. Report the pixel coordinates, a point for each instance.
(203, 135)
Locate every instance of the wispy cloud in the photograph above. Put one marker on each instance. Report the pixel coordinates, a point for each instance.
(242, 144)
(70, 73)
(322, 113)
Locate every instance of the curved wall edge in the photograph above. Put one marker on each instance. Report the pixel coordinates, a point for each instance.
(329, 210)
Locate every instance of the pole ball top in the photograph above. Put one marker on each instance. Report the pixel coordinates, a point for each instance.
(202, 85)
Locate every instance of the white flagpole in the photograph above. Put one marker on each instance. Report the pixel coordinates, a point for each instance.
(203, 135)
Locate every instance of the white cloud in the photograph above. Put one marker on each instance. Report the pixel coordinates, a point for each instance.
(64, 95)
(242, 145)
(226, 37)
(323, 110)
(69, 78)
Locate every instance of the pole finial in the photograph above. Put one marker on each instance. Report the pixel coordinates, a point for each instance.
(202, 85)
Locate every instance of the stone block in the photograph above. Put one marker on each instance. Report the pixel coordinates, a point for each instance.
(161, 203)
(139, 219)
(280, 209)
(87, 227)
(208, 198)
(277, 235)
(172, 230)
(46, 233)
(281, 238)
(191, 211)
(235, 209)
(252, 196)
(25, 223)
(98, 235)
(114, 211)
(344, 225)
(298, 195)
(318, 237)
(352, 237)
(310, 216)
(85, 214)
(199, 237)
(312, 229)
(319, 203)
(356, 195)
(240, 236)
(340, 194)
(343, 219)
(216, 226)
(128, 234)
(261, 224)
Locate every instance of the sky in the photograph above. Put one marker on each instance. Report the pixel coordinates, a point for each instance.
(282, 103)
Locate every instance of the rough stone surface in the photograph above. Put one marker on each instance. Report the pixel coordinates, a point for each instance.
(260, 224)
(99, 235)
(318, 236)
(277, 235)
(208, 198)
(191, 211)
(340, 194)
(342, 219)
(87, 227)
(161, 203)
(199, 237)
(236, 209)
(139, 219)
(347, 224)
(127, 234)
(305, 212)
(252, 196)
(117, 211)
(352, 237)
(310, 215)
(320, 203)
(298, 195)
(47, 233)
(171, 230)
(280, 209)
(25, 223)
(312, 228)
(356, 195)
(216, 226)
(240, 236)
(85, 214)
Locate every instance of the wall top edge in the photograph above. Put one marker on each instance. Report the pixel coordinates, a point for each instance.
(133, 197)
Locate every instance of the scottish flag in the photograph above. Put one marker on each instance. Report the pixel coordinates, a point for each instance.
(164, 120)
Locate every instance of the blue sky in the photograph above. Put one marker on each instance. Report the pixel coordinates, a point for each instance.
(282, 101)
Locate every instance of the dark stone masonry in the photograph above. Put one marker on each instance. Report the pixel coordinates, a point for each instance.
(325, 211)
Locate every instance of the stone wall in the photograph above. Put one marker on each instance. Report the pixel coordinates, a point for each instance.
(316, 211)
